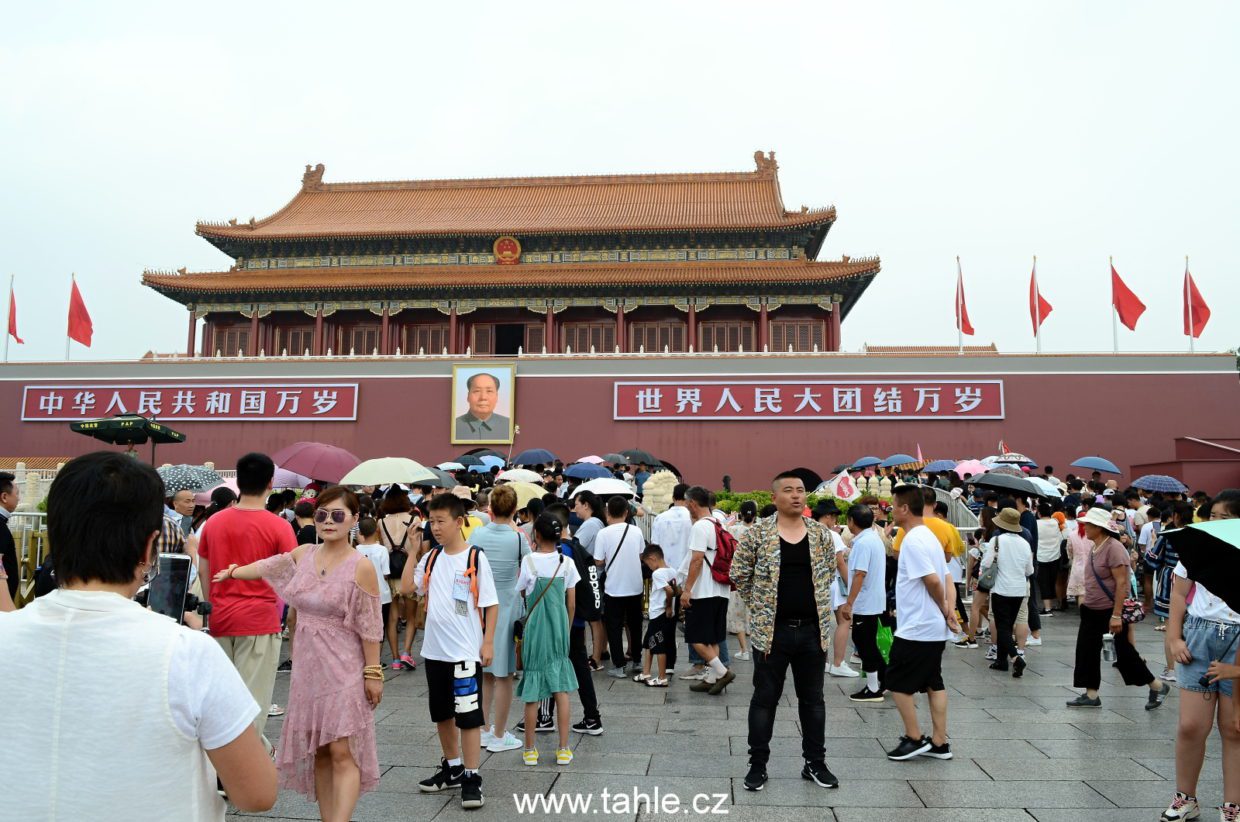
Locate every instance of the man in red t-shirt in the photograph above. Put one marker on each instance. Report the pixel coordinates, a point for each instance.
(245, 616)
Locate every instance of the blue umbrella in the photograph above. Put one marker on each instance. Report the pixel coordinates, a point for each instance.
(1160, 482)
(1097, 464)
(586, 471)
(867, 462)
(940, 465)
(897, 459)
(492, 462)
(533, 456)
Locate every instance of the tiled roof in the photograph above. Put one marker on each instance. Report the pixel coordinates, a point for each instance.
(528, 205)
(515, 277)
(32, 463)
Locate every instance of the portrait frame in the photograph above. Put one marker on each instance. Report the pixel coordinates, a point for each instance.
(463, 426)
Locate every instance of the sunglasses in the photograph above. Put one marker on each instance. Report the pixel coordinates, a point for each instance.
(337, 515)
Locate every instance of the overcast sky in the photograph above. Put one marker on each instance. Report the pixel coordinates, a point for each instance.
(938, 128)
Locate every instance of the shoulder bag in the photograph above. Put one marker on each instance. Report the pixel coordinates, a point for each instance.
(1133, 610)
(990, 575)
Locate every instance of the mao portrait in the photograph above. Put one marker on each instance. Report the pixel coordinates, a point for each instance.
(482, 403)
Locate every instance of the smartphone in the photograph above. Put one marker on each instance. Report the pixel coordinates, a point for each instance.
(170, 587)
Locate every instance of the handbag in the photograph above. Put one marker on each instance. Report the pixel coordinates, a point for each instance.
(1133, 611)
(397, 556)
(518, 627)
(990, 575)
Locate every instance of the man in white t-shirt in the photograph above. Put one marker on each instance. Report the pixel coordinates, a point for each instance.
(617, 550)
(670, 531)
(925, 620)
(706, 621)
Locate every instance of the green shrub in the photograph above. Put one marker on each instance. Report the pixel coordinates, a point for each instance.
(730, 501)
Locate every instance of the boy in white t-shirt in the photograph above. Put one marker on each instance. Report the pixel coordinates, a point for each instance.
(461, 609)
(369, 546)
(660, 641)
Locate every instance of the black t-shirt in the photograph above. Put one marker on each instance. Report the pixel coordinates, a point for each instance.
(306, 535)
(795, 599)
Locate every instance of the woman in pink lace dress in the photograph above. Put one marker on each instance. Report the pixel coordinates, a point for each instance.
(327, 749)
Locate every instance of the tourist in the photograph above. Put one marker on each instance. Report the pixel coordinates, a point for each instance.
(705, 598)
(1029, 530)
(134, 716)
(1106, 584)
(10, 496)
(662, 612)
(1202, 636)
(1078, 552)
(827, 514)
(1049, 538)
(617, 550)
(505, 547)
(1163, 558)
(589, 508)
(979, 611)
(303, 522)
(244, 616)
(461, 612)
(1010, 550)
(549, 584)
(368, 545)
(925, 620)
(400, 534)
(867, 601)
(738, 614)
(784, 570)
(327, 748)
(180, 509)
(221, 498)
(955, 551)
(670, 530)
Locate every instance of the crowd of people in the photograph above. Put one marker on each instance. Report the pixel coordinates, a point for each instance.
(528, 602)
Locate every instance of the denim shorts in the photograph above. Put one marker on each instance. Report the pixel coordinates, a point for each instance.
(1207, 641)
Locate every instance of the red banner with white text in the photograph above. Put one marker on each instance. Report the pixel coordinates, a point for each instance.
(192, 403)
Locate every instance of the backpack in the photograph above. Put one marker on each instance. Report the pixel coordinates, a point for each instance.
(725, 549)
(397, 555)
(589, 607)
(471, 571)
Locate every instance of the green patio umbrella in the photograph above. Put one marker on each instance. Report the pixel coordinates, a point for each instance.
(128, 429)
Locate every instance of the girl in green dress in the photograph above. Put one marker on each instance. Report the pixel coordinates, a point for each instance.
(548, 580)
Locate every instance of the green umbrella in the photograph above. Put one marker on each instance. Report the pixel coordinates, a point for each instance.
(128, 429)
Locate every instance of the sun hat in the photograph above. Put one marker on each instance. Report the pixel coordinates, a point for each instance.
(463, 493)
(1008, 520)
(1101, 518)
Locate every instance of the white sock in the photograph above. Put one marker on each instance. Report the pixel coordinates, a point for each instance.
(469, 772)
(454, 763)
(871, 681)
(711, 676)
(718, 668)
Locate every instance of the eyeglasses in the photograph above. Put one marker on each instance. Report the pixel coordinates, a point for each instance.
(337, 515)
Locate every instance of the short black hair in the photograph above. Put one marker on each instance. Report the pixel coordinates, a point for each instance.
(289, 495)
(558, 510)
(698, 495)
(469, 383)
(454, 505)
(785, 475)
(652, 550)
(928, 496)
(940, 509)
(678, 492)
(617, 507)
(367, 527)
(549, 527)
(275, 502)
(909, 495)
(304, 509)
(6, 482)
(254, 473)
(861, 515)
(1006, 502)
(102, 510)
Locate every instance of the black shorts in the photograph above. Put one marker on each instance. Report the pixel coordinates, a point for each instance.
(706, 621)
(661, 635)
(455, 691)
(915, 667)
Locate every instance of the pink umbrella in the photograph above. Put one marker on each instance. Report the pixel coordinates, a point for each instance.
(592, 459)
(316, 459)
(285, 478)
(204, 497)
(971, 467)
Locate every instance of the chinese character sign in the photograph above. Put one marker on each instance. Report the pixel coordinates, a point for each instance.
(809, 399)
(193, 403)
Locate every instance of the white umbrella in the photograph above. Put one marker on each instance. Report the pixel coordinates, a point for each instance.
(450, 466)
(519, 475)
(606, 486)
(1048, 488)
(593, 459)
(386, 470)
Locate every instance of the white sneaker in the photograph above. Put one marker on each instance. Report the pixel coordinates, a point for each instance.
(507, 743)
(1168, 675)
(694, 675)
(1033, 642)
(841, 670)
(488, 736)
(854, 659)
(742, 655)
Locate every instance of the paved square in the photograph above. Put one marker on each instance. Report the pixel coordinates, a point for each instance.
(1019, 753)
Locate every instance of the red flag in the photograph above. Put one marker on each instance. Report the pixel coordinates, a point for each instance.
(1127, 304)
(1038, 306)
(13, 317)
(80, 326)
(962, 311)
(1196, 312)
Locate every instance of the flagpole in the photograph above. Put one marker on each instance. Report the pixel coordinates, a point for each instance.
(72, 279)
(959, 320)
(1037, 305)
(8, 316)
(1188, 300)
(1114, 311)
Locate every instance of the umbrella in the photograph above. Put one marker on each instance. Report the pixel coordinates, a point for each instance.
(586, 471)
(1003, 482)
(469, 460)
(128, 429)
(841, 468)
(940, 465)
(867, 462)
(387, 470)
(1008, 470)
(1012, 458)
(667, 466)
(442, 479)
(897, 459)
(483, 452)
(637, 455)
(593, 459)
(316, 459)
(534, 456)
(450, 466)
(973, 467)
(1097, 464)
(527, 491)
(519, 475)
(289, 479)
(810, 478)
(1208, 551)
(188, 478)
(614, 458)
(606, 487)
(480, 469)
(1160, 482)
(204, 497)
(1047, 488)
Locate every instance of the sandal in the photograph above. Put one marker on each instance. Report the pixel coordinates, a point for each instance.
(641, 678)
(1160, 628)
(655, 682)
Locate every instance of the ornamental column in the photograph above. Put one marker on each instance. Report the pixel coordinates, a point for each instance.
(764, 327)
(834, 343)
(621, 338)
(384, 347)
(452, 347)
(693, 340)
(253, 352)
(550, 340)
(208, 338)
(318, 332)
(193, 333)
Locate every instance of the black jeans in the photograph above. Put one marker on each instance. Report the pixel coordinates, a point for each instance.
(1035, 603)
(865, 637)
(1004, 609)
(621, 613)
(797, 645)
(581, 667)
(1088, 672)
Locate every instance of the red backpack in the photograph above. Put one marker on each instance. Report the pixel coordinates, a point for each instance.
(725, 549)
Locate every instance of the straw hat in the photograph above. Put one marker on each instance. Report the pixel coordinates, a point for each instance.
(1099, 517)
(1008, 520)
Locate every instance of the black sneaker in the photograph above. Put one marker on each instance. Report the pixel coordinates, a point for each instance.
(818, 773)
(998, 666)
(866, 695)
(285, 667)
(545, 725)
(471, 791)
(755, 780)
(1018, 667)
(908, 748)
(446, 777)
(965, 643)
(1157, 698)
(593, 727)
(1083, 701)
(943, 751)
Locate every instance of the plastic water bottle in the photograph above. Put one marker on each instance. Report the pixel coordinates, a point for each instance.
(1108, 647)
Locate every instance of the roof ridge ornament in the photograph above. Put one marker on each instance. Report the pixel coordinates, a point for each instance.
(766, 163)
(312, 180)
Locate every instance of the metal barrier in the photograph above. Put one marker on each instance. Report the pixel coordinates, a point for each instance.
(30, 538)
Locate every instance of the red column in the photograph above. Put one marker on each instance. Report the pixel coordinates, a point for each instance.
(193, 334)
(693, 340)
(834, 343)
(764, 328)
(318, 332)
(253, 352)
(208, 339)
(551, 342)
(384, 347)
(452, 343)
(621, 337)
